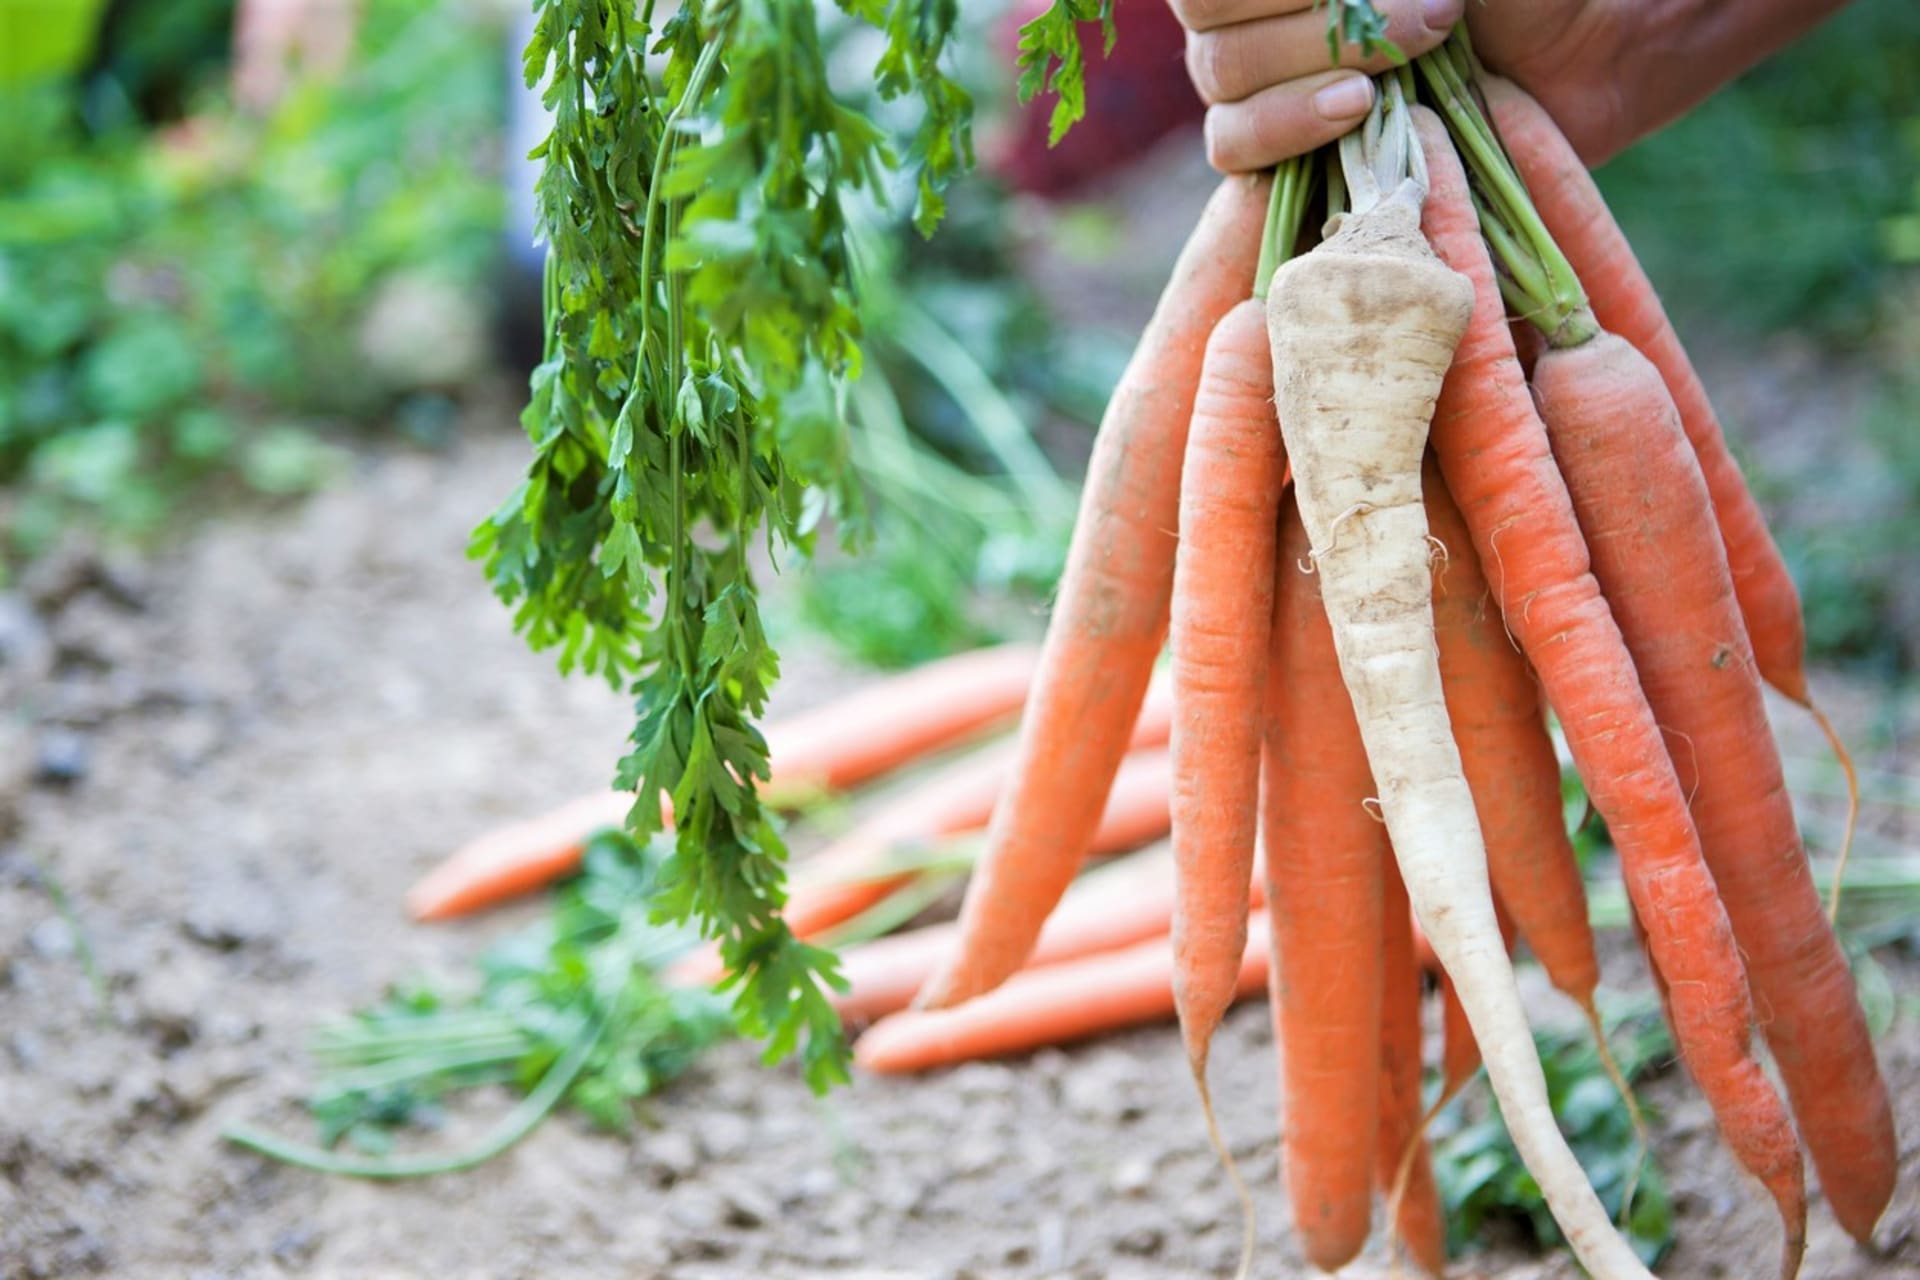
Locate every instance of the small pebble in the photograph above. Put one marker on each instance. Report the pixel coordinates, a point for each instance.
(64, 757)
(1143, 1241)
(1132, 1175)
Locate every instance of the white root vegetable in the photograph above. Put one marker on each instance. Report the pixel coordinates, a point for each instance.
(1363, 329)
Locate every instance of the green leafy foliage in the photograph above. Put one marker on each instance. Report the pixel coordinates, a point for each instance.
(1051, 58)
(180, 310)
(701, 327)
(590, 969)
(1357, 22)
(1482, 1178)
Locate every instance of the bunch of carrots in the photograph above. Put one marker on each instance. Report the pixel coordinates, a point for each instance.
(1394, 492)
(1406, 519)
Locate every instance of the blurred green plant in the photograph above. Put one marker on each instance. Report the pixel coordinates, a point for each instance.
(964, 366)
(1787, 207)
(963, 503)
(180, 310)
(571, 1011)
(1480, 1174)
(1764, 209)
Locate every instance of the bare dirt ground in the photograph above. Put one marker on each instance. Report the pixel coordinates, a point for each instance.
(271, 731)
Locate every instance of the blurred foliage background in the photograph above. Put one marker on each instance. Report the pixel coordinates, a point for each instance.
(203, 302)
(197, 298)
(1781, 222)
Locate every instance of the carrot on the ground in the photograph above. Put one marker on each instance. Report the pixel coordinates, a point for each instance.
(840, 744)
(1054, 1005)
(1112, 611)
(857, 871)
(1104, 911)
(1325, 856)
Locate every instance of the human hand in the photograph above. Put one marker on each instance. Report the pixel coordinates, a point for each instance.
(274, 39)
(1262, 67)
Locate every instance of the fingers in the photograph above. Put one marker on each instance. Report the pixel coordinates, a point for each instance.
(1231, 61)
(1285, 120)
(1205, 15)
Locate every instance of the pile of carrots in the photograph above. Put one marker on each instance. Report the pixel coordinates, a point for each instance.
(1394, 492)
(943, 722)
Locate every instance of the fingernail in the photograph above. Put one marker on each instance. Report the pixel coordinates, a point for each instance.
(1440, 15)
(1344, 99)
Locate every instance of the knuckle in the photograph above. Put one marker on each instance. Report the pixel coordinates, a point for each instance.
(1197, 15)
(1277, 131)
(1217, 67)
(1203, 65)
(1218, 154)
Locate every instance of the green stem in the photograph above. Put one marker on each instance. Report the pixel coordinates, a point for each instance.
(1286, 210)
(515, 1125)
(696, 85)
(380, 1046)
(894, 910)
(394, 1071)
(1557, 303)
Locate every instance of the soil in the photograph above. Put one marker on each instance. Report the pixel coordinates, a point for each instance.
(220, 770)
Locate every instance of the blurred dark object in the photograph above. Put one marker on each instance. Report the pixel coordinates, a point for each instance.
(152, 57)
(520, 328)
(1135, 97)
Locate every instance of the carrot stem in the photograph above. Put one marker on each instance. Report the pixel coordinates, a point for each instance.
(515, 1125)
(1286, 211)
(1635, 1117)
(1845, 760)
(1556, 301)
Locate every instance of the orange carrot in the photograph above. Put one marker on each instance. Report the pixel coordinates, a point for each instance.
(840, 744)
(1325, 853)
(1643, 505)
(1494, 454)
(1140, 806)
(1514, 774)
(1400, 1142)
(1624, 302)
(1498, 723)
(1222, 609)
(1054, 1005)
(1112, 610)
(851, 874)
(1666, 573)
